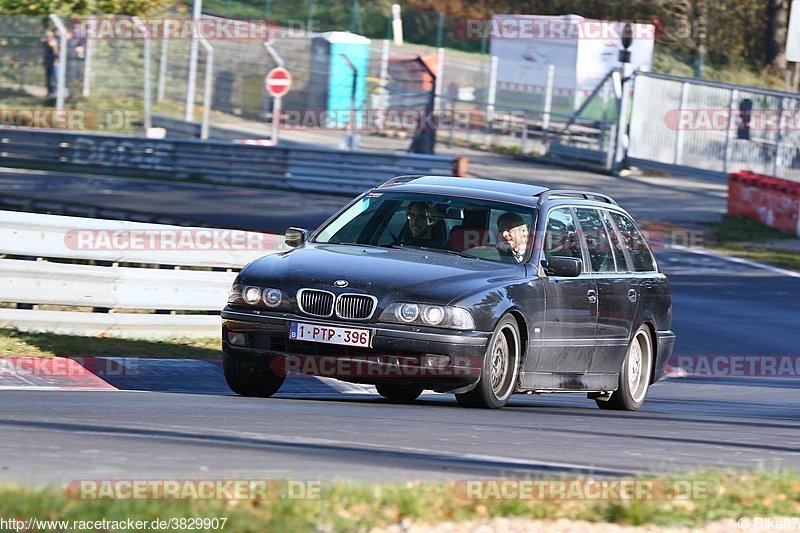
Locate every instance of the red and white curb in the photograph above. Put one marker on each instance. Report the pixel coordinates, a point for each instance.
(143, 374)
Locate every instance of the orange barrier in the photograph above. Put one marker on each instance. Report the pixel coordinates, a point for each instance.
(771, 201)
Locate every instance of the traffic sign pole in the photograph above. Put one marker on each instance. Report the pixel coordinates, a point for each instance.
(277, 95)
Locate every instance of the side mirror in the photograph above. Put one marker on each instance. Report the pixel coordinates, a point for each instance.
(296, 236)
(567, 267)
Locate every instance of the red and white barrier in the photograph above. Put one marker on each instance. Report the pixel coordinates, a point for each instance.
(771, 201)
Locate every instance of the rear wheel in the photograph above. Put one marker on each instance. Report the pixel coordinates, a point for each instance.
(250, 379)
(500, 365)
(402, 393)
(634, 378)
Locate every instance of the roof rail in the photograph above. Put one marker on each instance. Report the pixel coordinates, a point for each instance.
(400, 179)
(587, 195)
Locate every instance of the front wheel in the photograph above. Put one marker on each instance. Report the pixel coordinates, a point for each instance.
(500, 366)
(250, 379)
(634, 378)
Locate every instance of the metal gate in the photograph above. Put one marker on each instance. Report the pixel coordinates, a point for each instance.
(687, 125)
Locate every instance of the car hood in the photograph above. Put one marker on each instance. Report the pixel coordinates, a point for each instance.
(386, 273)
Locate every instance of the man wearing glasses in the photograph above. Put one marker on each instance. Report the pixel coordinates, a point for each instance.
(514, 234)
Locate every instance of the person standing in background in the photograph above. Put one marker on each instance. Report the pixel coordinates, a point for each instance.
(50, 60)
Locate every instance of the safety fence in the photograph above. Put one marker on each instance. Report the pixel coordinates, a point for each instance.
(303, 169)
(687, 125)
(89, 276)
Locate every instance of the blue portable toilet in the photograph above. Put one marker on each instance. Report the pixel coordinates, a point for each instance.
(331, 78)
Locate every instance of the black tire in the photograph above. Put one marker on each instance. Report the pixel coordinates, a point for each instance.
(250, 379)
(400, 393)
(498, 379)
(634, 377)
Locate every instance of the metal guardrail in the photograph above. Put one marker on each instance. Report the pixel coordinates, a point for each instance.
(278, 167)
(182, 129)
(166, 286)
(54, 236)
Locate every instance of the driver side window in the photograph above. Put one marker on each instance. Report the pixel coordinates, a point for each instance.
(561, 236)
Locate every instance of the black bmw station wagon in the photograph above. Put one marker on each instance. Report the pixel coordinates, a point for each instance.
(476, 287)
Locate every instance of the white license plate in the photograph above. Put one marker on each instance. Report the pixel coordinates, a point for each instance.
(302, 331)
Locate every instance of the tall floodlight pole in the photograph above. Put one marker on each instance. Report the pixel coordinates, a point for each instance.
(197, 12)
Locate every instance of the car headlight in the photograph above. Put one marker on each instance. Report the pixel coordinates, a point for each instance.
(428, 315)
(251, 295)
(235, 296)
(407, 312)
(255, 295)
(272, 297)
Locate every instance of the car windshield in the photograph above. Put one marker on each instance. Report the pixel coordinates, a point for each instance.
(493, 231)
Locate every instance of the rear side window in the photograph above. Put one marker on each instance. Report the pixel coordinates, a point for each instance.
(597, 241)
(616, 244)
(637, 247)
(561, 236)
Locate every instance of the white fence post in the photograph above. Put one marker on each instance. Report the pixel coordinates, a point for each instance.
(729, 134)
(491, 99)
(197, 12)
(62, 61)
(548, 102)
(87, 66)
(439, 80)
(162, 69)
(148, 109)
(678, 152)
(778, 138)
(208, 87)
(384, 72)
(622, 125)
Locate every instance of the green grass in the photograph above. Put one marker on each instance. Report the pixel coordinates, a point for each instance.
(752, 240)
(14, 343)
(351, 506)
(740, 229)
(780, 258)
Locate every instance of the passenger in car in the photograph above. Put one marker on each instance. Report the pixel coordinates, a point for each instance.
(424, 229)
(514, 237)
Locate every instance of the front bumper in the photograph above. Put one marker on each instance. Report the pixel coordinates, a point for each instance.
(398, 355)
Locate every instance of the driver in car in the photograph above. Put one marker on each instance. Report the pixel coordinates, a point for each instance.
(514, 234)
(424, 228)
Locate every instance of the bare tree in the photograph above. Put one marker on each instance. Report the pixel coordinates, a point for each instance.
(777, 27)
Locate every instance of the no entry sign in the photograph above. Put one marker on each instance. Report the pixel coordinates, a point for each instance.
(278, 82)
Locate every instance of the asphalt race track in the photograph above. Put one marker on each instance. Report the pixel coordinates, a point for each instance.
(721, 307)
(227, 207)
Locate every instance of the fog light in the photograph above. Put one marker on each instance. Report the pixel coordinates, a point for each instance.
(435, 361)
(237, 339)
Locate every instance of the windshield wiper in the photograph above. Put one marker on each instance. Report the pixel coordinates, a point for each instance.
(400, 246)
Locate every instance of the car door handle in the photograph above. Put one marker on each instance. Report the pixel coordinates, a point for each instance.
(592, 295)
(632, 295)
